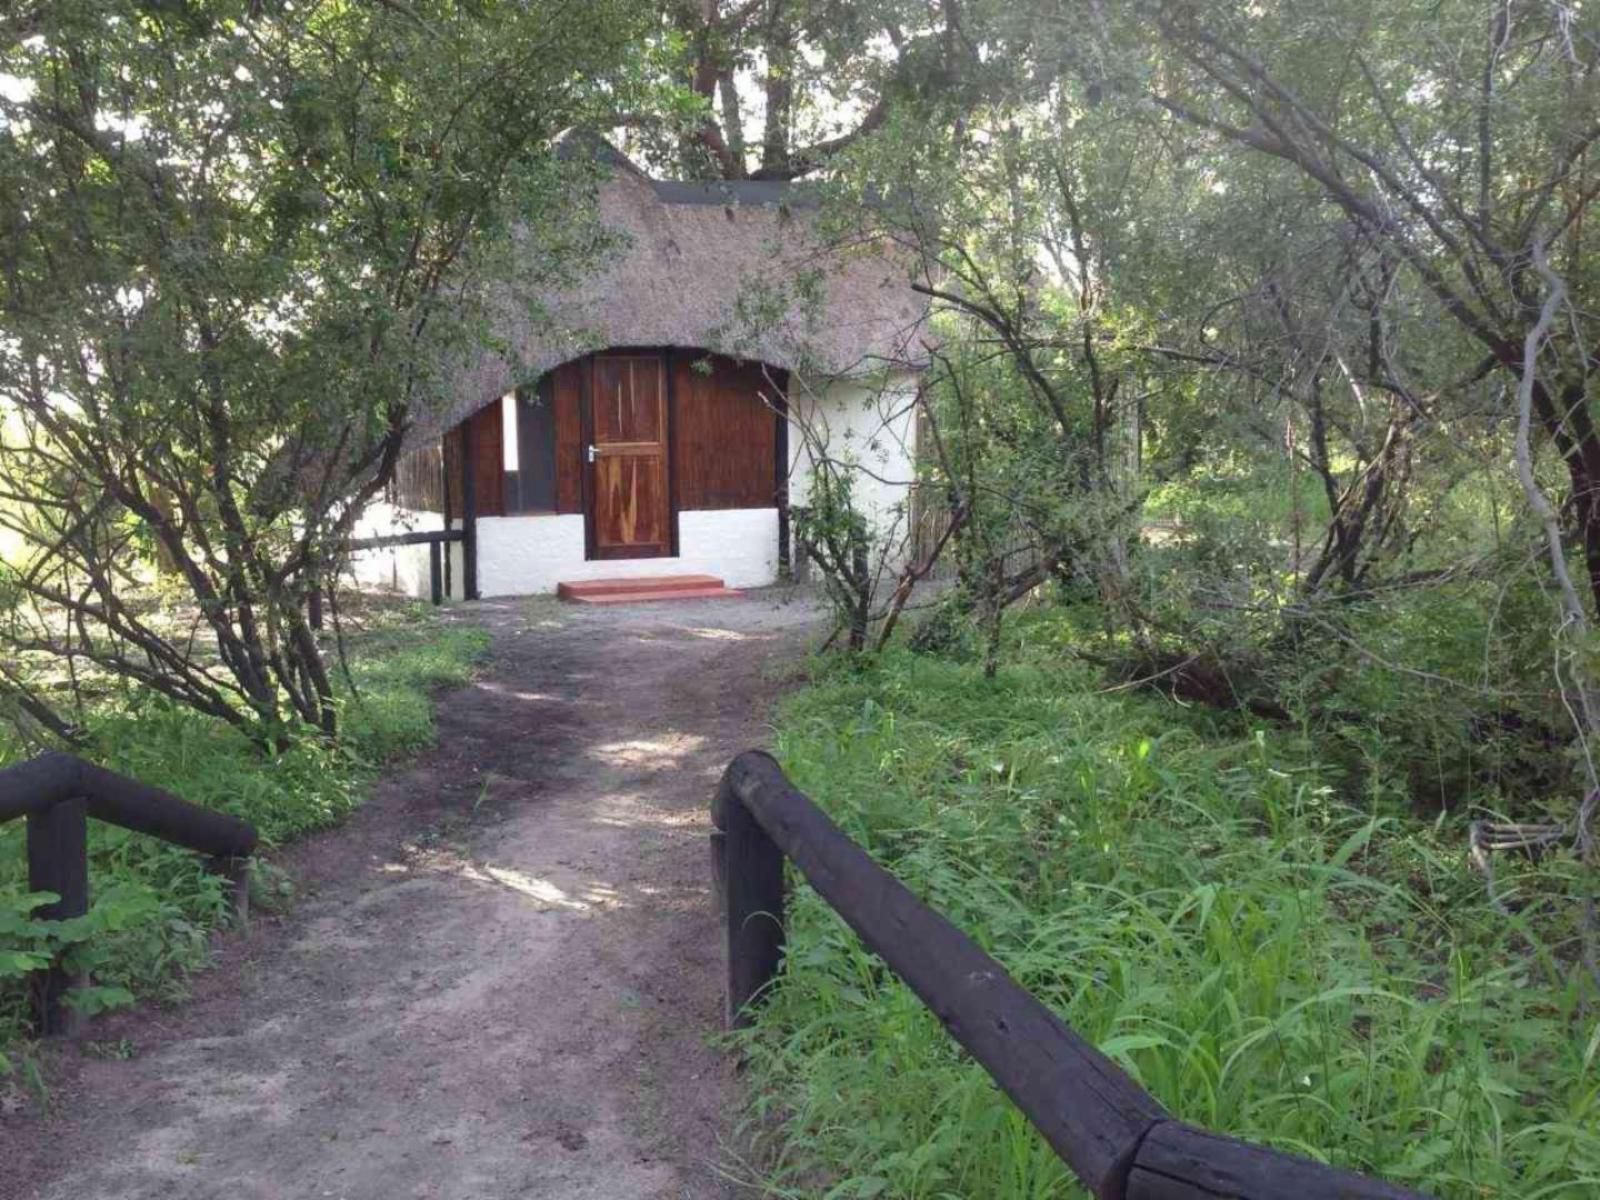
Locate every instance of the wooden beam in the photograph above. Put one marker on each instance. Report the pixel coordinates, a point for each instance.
(1178, 1162)
(1089, 1111)
(1116, 1138)
(117, 800)
(36, 784)
(56, 777)
(57, 793)
(469, 517)
(424, 537)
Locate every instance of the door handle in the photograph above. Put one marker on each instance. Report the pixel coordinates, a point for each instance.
(594, 452)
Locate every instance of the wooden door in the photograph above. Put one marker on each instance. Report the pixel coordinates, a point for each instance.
(630, 506)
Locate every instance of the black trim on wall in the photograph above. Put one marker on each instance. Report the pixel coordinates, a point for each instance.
(449, 555)
(668, 362)
(469, 519)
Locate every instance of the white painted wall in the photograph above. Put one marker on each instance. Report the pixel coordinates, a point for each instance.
(868, 423)
(529, 555)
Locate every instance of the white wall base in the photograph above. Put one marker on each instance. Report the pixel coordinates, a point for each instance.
(530, 555)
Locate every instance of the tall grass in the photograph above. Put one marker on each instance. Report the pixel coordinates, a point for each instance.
(156, 903)
(1269, 956)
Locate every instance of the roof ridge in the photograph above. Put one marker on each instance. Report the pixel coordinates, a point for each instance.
(579, 141)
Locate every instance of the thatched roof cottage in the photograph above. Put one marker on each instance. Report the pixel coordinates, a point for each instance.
(682, 395)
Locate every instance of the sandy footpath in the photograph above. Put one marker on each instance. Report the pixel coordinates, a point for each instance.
(500, 976)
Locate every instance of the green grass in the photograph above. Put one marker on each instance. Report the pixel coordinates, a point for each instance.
(1269, 955)
(154, 904)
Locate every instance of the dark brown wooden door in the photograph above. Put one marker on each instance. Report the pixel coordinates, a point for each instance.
(630, 507)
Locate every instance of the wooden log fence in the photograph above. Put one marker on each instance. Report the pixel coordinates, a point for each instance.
(1116, 1138)
(434, 539)
(57, 793)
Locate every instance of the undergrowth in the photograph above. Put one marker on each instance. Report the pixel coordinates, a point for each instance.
(1273, 947)
(153, 904)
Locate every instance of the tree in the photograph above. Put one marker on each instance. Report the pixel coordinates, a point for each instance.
(1465, 176)
(243, 243)
(1129, 294)
(824, 74)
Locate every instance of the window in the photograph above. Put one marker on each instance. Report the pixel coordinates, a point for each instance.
(530, 450)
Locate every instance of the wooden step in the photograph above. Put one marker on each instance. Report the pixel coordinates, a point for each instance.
(650, 583)
(658, 594)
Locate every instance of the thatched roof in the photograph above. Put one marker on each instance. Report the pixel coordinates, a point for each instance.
(693, 258)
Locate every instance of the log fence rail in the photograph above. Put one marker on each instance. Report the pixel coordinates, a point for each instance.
(57, 793)
(434, 539)
(1115, 1137)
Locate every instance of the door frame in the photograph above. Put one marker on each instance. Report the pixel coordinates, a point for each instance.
(586, 439)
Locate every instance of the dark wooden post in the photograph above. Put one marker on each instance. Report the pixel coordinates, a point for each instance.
(435, 573)
(447, 495)
(469, 516)
(753, 901)
(58, 861)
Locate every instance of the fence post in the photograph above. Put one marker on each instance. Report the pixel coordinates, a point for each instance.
(753, 901)
(469, 520)
(435, 574)
(58, 861)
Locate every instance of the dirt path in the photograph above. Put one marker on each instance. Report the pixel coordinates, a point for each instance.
(502, 973)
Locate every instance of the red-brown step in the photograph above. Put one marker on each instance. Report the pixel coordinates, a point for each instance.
(648, 588)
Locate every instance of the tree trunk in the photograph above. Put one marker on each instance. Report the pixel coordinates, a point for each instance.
(779, 45)
(1571, 428)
